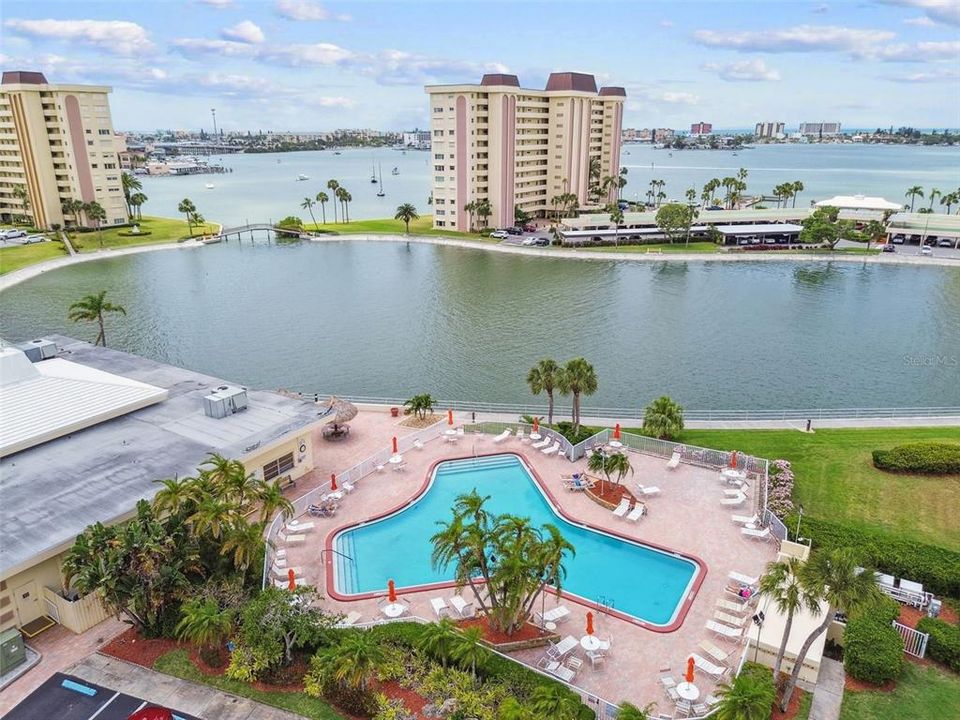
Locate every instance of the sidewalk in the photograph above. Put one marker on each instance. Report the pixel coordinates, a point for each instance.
(828, 695)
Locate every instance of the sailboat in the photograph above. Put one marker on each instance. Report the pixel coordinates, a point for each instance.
(380, 192)
(395, 171)
(373, 175)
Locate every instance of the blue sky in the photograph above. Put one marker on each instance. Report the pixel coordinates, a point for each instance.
(307, 65)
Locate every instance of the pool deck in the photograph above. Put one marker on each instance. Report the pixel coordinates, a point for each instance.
(685, 517)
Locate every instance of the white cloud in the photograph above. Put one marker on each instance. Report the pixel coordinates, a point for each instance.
(245, 31)
(396, 67)
(820, 9)
(115, 36)
(928, 76)
(743, 71)
(201, 46)
(307, 55)
(218, 4)
(944, 11)
(677, 98)
(666, 23)
(802, 38)
(920, 21)
(306, 10)
(919, 52)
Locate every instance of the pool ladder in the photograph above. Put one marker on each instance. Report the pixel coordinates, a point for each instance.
(349, 579)
(604, 604)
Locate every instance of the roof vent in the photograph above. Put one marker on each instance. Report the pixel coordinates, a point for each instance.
(37, 350)
(225, 400)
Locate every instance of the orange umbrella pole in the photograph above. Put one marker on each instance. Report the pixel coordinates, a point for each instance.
(333, 481)
(394, 444)
(292, 580)
(689, 675)
(391, 591)
(589, 623)
(449, 417)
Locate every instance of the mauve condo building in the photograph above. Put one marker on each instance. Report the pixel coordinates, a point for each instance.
(517, 147)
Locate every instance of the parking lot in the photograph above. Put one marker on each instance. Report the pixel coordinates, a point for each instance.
(22, 238)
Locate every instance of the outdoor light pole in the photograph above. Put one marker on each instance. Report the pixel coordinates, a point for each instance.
(213, 111)
(799, 518)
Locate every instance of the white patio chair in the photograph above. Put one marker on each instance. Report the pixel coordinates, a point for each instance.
(638, 511)
(595, 658)
(621, 509)
(648, 490)
(756, 534)
(714, 652)
(708, 667)
(674, 460)
(552, 450)
(724, 630)
(440, 608)
(463, 608)
(745, 520)
(744, 579)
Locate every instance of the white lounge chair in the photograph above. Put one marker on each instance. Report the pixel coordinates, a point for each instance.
(744, 579)
(502, 436)
(648, 490)
(283, 572)
(418, 444)
(291, 539)
(745, 520)
(297, 526)
(734, 501)
(668, 681)
(674, 460)
(561, 671)
(463, 608)
(542, 443)
(758, 534)
(724, 630)
(285, 584)
(579, 483)
(638, 511)
(439, 606)
(732, 492)
(621, 509)
(350, 619)
(713, 651)
(733, 607)
(552, 450)
(708, 667)
(555, 615)
(728, 619)
(562, 648)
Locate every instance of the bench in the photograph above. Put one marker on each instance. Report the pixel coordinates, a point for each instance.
(286, 481)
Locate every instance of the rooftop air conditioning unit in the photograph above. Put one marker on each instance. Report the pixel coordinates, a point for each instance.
(225, 400)
(37, 350)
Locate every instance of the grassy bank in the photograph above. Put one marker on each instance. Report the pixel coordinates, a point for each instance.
(154, 230)
(14, 257)
(836, 479)
(178, 664)
(921, 692)
(388, 226)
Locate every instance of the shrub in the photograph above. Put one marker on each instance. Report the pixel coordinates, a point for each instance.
(780, 495)
(944, 643)
(937, 568)
(291, 221)
(872, 650)
(130, 233)
(927, 458)
(565, 428)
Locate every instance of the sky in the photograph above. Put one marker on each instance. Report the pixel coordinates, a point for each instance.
(304, 65)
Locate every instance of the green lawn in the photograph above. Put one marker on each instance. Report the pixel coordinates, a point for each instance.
(921, 692)
(694, 247)
(422, 226)
(162, 230)
(14, 257)
(836, 479)
(177, 663)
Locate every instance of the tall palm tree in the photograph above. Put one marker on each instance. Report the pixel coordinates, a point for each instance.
(187, 207)
(354, 661)
(243, 541)
(203, 622)
(333, 186)
(913, 193)
(96, 213)
(618, 466)
(543, 378)
(616, 217)
(950, 199)
(271, 499)
(470, 208)
(469, 651)
(629, 711)
(578, 378)
(307, 205)
(406, 212)
(597, 463)
(20, 193)
(130, 183)
(136, 203)
(78, 207)
(833, 577)
(341, 194)
(439, 639)
(175, 493)
(750, 697)
(212, 517)
(347, 199)
(934, 193)
(483, 210)
(91, 308)
(781, 584)
(556, 702)
(323, 199)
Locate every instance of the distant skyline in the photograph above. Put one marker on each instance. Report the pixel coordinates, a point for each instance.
(302, 65)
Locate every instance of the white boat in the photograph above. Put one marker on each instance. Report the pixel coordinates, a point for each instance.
(209, 186)
(380, 192)
(301, 176)
(395, 171)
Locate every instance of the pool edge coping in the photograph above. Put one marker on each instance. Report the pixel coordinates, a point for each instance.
(690, 594)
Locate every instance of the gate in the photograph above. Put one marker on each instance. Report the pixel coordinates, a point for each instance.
(914, 641)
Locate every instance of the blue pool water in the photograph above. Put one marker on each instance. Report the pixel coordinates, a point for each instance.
(640, 581)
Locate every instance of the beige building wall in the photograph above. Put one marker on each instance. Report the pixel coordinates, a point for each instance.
(518, 148)
(57, 142)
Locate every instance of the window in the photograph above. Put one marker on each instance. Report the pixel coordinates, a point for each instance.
(109, 166)
(441, 212)
(438, 168)
(104, 132)
(438, 109)
(438, 178)
(276, 468)
(89, 142)
(93, 165)
(89, 132)
(440, 223)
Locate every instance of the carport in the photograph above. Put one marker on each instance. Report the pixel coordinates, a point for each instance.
(767, 233)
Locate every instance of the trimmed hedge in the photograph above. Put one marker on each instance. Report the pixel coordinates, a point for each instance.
(937, 568)
(926, 458)
(944, 643)
(872, 650)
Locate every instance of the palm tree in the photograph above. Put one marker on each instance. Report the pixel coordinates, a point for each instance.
(439, 639)
(749, 698)
(341, 194)
(243, 541)
(934, 193)
(483, 210)
(543, 378)
(578, 378)
(174, 494)
(556, 702)
(130, 183)
(913, 193)
(796, 187)
(833, 577)
(96, 213)
(212, 517)
(187, 207)
(271, 499)
(20, 193)
(616, 217)
(91, 308)
(419, 405)
(354, 661)
(511, 709)
(203, 622)
(950, 199)
(469, 651)
(663, 418)
(307, 205)
(136, 202)
(406, 212)
(597, 463)
(347, 199)
(874, 232)
(781, 584)
(323, 199)
(470, 208)
(618, 465)
(629, 711)
(333, 186)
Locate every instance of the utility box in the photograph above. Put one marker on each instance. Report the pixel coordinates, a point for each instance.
(225, 400)
(12, 652)
(933, 609)
(37, 350)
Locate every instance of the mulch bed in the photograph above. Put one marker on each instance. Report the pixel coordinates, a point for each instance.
(132, 647)
(610, 492)
(853, 685)
(495, 637)
(911, 615)
(411, 700)
(792, 709)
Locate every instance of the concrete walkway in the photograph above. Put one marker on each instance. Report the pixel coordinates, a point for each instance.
(199, 700)
(828, 695)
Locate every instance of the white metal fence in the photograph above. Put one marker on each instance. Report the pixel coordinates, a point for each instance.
(914, 641)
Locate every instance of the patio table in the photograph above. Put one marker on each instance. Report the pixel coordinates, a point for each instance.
(590, 643)
(394, 610)
(688, 691)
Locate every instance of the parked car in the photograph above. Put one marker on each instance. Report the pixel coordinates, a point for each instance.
(889, 248)
(926, 250)
(514, 231)
(13, 233)
(714, 207)
(944, 242)
(536, 241)
(898, 239)
(529, 228)
(501, 234)
(30, 239)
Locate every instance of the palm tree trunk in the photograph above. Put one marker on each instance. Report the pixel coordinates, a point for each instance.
(102, 336)
(794, 676)
(334, 211)
(323, 210)
(783, 647)
(311, 216)
(549, 407)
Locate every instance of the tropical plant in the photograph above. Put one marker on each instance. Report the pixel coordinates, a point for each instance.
(333, 186)
(504, 554)
(130, 183)
(833, 577)
(750, 697)
(555, 702)
(136, 203)
(323, 199)
(543, 378)
(468, 649)
(824, 227)
(439, 639)
(470, 208)
(406, 213)
(20, 193)
(95, 212)
(796, 187)
(483, 210)
(187, 207)
(352, 662)
(913, 193)
(934, 194)
(781, 584)
(203, 622)
(307, 205)
(243, 542)
(873, 231)
(616, 217)
(419, 405)
(663, 418)
(674, 219)
(610, 465)
(629, 711)
(950, 199)
(91, 308)
(577, 378)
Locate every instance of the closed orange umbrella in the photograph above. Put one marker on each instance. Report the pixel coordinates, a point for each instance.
(589, 623)
(394, 444)
(616, 432)
(689, 675)
(292, 577)
(536, 425)
(733, 459)
(391, 591)
(449, 417)
(333, 481)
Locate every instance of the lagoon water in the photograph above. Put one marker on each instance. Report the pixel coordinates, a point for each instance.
(394, 319)
(265, 187)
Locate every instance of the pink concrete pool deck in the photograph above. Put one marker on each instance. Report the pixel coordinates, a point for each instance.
(685, 517)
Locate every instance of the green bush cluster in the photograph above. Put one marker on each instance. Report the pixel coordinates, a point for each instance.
(937, 568)
(565, 428)
(944, 643)
(129, 233)
(872, 650)
(927, 458)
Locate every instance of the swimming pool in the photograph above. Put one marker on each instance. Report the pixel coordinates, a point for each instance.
(643, 582)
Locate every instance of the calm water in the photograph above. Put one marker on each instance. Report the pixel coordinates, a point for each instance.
(260, 188)
(399, 547)
(391, 320)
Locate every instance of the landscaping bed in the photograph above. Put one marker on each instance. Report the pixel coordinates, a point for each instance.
(609, 494)
(528, 636)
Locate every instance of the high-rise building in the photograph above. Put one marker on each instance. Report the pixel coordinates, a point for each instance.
(514, 148)
(820, 129)
(769, 130)
(56, 144)
(701, 128)
(416, 139)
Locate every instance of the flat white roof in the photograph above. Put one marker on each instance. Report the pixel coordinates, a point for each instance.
(859, 202)
(763, 229)
(45, 400)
